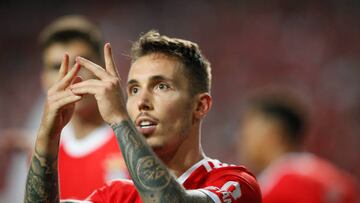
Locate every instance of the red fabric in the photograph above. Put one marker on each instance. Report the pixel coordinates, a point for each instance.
(227, 182)
(79, 176)
(307, 179)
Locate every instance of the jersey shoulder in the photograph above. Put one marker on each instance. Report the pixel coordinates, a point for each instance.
(231, 183)
(223, 171)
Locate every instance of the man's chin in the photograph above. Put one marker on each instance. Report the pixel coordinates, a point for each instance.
(155, 145)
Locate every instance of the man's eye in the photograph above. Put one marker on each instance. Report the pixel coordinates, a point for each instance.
(162, 86)
(55, 66)
(134, 90)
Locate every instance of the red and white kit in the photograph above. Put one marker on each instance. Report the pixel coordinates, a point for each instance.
(221, 182)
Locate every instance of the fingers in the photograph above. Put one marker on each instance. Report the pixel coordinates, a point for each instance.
(86, 90)
(98, 70)
(68, 78)
(77, 79)
(90, 82)
(109, 60)
(60, 95)
(92, 67)
(64, 101)
(64, 66)
(87, 87)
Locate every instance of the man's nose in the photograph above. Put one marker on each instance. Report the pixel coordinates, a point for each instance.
(145, 101)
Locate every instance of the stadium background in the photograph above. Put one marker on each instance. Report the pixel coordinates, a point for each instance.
(309, 47)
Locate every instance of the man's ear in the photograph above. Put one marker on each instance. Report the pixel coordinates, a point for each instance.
(203, 105)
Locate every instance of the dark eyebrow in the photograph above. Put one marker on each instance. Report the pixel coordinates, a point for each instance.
(132, 81)
(160, 78)
(153, 78)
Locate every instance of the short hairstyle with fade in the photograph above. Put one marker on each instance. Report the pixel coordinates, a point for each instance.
(72, 27)
(196, 66)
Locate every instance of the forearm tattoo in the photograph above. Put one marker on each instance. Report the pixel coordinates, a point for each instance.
(42, 180)
(152, 179)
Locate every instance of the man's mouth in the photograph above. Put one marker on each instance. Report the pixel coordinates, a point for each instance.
(146, 126)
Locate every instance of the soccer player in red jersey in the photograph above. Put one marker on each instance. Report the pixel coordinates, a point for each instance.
(88, 155)
(157, 128)
(272, 132)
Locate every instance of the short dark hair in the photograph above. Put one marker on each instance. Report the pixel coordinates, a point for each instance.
(72, 27)
(287, 110)
(196, 66)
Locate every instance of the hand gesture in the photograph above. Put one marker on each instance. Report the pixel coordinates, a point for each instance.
(106, 88)
(60, 101)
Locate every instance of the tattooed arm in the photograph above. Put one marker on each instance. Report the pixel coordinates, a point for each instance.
(151, 177)
(42, 181)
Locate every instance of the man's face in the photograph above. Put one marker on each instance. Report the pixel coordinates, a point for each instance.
(52, 57)
(159, 102)
(255, 139)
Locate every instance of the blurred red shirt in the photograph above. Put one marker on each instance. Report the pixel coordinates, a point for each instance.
(89, 163)
(305, 178)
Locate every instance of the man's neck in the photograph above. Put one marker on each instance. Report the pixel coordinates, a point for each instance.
(189, 153)
(180, 164)
(82, 127)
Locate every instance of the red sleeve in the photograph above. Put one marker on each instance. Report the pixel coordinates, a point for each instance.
(232, 185)
(296, 189)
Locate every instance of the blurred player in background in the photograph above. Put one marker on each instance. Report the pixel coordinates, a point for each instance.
(88, 155)
(271, 136)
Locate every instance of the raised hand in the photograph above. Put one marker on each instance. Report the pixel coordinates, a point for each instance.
(60, 101)
(106, 88)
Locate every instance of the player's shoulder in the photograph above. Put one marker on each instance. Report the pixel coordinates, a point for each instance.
(234, 179)
(224, 169)
(230, 172)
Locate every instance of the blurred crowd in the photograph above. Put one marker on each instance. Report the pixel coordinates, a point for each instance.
(310, 48)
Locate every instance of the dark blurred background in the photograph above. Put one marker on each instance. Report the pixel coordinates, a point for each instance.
(309, 47)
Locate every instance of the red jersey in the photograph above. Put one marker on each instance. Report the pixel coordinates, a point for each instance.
(305, 178)
(89, 163)
(221, 182)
